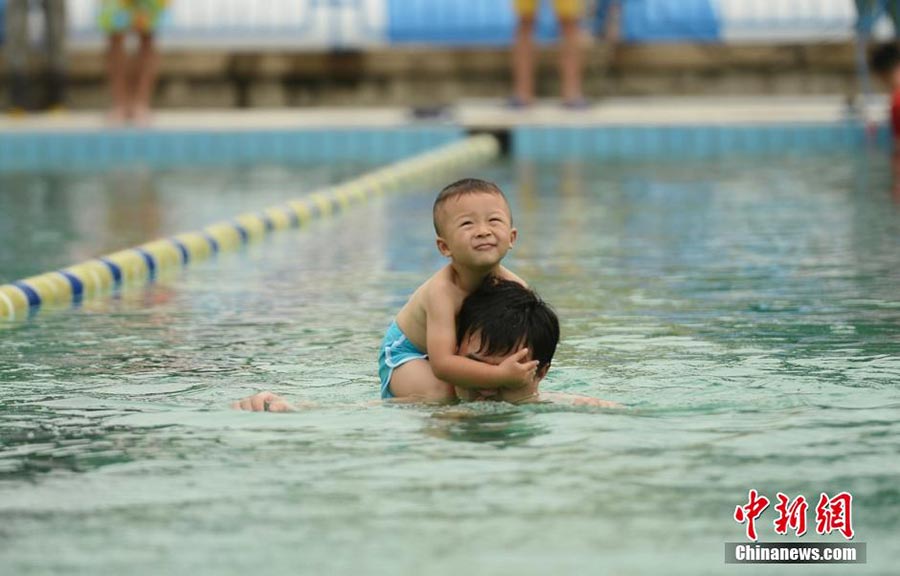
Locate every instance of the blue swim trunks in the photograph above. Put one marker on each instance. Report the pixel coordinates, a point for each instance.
(396, 350)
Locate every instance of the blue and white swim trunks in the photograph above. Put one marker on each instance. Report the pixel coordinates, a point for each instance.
(396, 350)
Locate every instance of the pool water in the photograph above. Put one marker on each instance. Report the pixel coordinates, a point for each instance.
(746, 313)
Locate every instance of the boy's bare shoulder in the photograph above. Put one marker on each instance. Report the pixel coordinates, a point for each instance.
(412, 317)
(441, 285)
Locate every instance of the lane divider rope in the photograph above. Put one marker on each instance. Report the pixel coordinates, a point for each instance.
(147, 262)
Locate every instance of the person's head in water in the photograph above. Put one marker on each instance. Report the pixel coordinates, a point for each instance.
(500, 318)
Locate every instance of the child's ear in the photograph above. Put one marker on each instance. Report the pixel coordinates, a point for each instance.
(442, 246)
(542, 372)
(513, 234)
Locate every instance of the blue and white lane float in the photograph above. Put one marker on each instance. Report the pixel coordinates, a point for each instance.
(143, 264)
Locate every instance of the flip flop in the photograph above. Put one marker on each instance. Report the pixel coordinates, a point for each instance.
(516, 103)
(577, 104)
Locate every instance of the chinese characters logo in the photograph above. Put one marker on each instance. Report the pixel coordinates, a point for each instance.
(832, 514)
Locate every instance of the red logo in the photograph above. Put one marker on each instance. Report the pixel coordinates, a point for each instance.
(793, 516)
(832, 514)
(750, 512)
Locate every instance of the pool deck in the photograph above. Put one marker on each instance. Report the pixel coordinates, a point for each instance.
(478, 115)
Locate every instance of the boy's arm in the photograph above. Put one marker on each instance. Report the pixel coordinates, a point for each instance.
(464, 372)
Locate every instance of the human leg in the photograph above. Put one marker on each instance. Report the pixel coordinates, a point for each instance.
(569, 14)
(55, 38)
(414, 381)
(523, 52)
(570, 62)
(117, 71)
(147, 64)
(16, 53)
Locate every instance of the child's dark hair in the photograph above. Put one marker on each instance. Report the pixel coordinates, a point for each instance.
(462, 188)
(508, 315)
(885, 58)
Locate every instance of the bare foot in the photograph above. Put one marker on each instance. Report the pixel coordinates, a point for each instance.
(116, 116)
(141, 116)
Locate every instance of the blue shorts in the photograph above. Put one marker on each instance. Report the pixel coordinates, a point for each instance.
(396, 350)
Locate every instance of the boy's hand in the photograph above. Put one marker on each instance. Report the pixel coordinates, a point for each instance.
(517, 371)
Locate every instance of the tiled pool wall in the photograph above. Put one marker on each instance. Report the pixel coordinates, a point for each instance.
(38, 150)
(634, 142)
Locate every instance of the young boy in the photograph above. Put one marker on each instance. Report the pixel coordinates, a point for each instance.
(418, 359)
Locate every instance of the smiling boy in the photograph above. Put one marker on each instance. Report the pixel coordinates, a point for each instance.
(418, 358)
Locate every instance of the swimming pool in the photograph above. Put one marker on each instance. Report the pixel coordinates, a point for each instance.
(745, 310)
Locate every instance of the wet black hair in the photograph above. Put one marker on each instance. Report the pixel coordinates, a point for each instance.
(508, 315)
(885, 58)
(462, 188)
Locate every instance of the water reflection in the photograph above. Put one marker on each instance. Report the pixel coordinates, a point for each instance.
(549, 209)
(56, 219)
(132, 205)
(62, 218)
(36, 215)
(501, 425)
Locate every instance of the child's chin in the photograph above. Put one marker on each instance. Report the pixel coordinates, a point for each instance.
(487, 259)
(486, 265)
